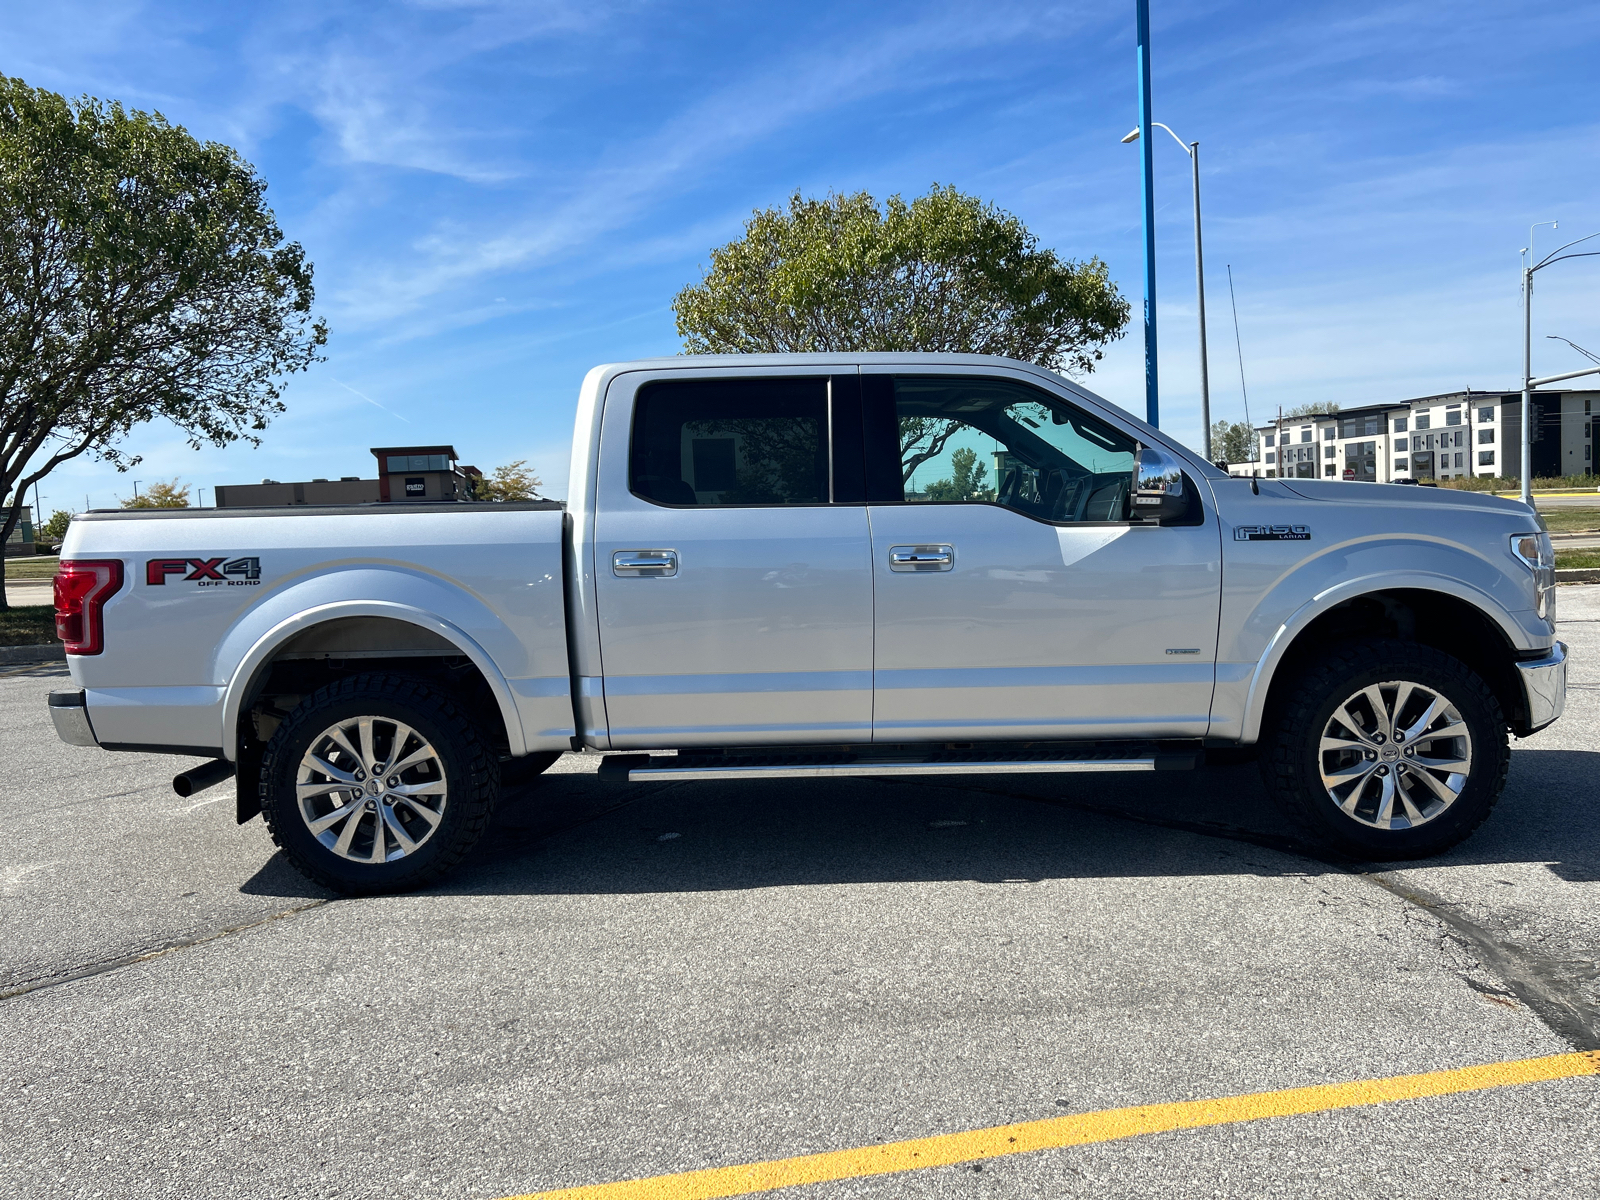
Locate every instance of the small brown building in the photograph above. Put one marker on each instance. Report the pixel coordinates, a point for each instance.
(423, 473)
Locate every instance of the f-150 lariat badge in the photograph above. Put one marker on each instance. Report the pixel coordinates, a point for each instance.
(204, 572)
(1271, 533)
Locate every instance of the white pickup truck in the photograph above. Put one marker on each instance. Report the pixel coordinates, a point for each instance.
(810, 565)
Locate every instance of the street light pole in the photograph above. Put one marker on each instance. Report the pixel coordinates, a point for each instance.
(1152, 407)
(1528, 381)
(1192, 149)
(1200, 291)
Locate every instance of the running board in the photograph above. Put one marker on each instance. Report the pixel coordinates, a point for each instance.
(640, 768)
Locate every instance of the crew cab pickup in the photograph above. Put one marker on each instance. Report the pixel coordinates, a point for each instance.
(820, 565)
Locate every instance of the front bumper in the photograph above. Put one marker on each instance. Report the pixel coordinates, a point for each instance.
(1544, 683)
(71, 718)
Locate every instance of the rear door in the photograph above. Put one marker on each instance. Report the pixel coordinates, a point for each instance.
(733, 561)
(1014, 600)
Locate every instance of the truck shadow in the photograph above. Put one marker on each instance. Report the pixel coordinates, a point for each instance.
(572, 834)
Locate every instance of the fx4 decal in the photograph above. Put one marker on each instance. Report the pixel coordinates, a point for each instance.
(1271, 533)
(206, 572)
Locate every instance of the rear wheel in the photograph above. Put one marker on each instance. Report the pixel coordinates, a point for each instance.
(1388, 750)
(377, 783)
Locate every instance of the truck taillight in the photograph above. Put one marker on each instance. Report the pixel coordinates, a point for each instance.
(82, 588)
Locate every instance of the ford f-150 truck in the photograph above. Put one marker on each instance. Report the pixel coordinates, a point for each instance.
(790, 566)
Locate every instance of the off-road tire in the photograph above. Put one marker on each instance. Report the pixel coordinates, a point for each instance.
(470, 768)
(1291, 741)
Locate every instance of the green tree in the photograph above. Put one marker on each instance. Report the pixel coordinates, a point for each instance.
(511, 482)
(142, 276)
(1233, 442)
(1321, 408)
(56, 527)
(966, 480)
(945, 273)
(161, 495)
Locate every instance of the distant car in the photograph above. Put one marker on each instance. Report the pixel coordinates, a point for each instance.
(803, 566)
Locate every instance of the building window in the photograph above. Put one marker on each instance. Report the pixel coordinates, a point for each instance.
(1402, 444)
(1272, 456)
(1486, 458)
(1485, 415)
(1424, 422)
(1328, 470)
(1305, 434)
(1350, 427)
(1327, 433)
(1266, 439)
(1453, 418)
(1399, 466)
(1485, 437)
(1399, 424)
(1327, 451)
(1458, 459)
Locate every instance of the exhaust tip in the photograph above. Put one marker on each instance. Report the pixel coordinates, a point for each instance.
(198, 779)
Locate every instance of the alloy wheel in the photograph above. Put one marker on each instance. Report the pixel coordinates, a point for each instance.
(371, 789)
(1395, 755)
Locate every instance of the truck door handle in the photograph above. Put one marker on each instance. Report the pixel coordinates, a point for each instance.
(642, 564)
(921, 558)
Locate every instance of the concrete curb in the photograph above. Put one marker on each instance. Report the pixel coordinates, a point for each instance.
(32, 654)
(1578, 575)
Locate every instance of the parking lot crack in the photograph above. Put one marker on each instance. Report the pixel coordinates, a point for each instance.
(128, 960)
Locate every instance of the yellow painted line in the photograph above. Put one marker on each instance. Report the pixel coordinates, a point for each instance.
(1080, 1130)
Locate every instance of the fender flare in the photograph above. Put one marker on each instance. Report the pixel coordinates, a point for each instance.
(244, 675)
(1350, 589)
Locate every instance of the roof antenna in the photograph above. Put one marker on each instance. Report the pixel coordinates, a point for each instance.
(1255, 486)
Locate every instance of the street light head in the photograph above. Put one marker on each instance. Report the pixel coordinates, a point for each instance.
(1132, 137)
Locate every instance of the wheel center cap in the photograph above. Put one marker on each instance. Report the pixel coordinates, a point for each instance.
(373, 787)
(1389, 752)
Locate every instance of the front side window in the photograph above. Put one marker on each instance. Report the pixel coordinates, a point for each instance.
(976, 439)
(716, 443)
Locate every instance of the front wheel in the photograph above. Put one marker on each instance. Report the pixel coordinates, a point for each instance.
(377, 783)
(1388, 750)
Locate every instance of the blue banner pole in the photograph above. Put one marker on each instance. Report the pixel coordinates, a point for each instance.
(1152, 407)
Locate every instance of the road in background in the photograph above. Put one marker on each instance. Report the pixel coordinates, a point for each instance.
(634, 979)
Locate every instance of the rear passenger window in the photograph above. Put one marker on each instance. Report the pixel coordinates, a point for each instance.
(975, 439)
(731, 442)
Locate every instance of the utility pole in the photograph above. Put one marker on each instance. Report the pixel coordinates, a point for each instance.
(1152, 405)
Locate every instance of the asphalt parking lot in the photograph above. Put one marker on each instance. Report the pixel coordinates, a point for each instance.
(632, 981)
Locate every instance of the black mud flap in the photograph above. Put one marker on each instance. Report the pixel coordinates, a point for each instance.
(247, 794)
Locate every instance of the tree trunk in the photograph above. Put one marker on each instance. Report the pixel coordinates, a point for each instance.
(13, 515)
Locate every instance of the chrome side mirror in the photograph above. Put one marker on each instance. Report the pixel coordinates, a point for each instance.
(1158, 491)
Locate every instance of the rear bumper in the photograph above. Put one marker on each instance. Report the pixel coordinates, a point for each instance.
(71, 718)
(1544, 683)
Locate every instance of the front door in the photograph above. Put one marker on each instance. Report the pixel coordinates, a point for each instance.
(733, 582)
(1014, 600)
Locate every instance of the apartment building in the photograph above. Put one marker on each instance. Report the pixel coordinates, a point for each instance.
(1431, 438)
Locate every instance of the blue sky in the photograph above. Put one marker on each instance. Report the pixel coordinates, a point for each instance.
(498, 196)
